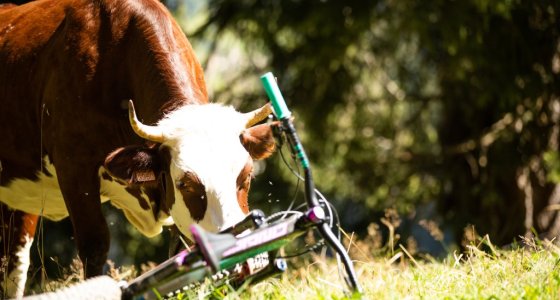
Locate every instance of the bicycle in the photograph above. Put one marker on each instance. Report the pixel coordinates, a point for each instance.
(244, 253)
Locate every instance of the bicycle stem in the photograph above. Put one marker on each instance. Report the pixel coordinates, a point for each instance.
(284, 115)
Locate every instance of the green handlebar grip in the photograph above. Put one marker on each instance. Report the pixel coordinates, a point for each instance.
(278, 104)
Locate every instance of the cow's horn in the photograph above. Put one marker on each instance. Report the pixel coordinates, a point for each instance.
(151, 133)
(258, 115)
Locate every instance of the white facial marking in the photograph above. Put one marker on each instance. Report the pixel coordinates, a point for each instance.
(204, 140)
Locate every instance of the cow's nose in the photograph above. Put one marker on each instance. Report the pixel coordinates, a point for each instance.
(232, 218)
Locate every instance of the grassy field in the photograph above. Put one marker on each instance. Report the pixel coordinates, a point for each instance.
(480, 272)
(529, 273)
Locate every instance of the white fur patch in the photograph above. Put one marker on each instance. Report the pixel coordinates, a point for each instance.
(142, 219)
(14, 284)
(40, 197)
(43, 197)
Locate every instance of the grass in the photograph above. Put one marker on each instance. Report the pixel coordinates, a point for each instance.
(515, 274)
(482, 271)
(525, 273)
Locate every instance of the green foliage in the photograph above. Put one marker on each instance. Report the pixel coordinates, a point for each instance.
(405, 102)
(552, 163)
(348, 106)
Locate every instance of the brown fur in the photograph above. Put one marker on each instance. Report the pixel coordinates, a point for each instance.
(243, 185)
(66, 66)
(194, 195)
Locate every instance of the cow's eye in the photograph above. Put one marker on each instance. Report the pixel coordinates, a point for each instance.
(189, 183)
(181, 185)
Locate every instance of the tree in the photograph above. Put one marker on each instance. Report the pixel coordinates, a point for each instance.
(498, 66)
(407, 102)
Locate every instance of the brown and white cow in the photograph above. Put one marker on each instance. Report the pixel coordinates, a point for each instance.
(70, 139)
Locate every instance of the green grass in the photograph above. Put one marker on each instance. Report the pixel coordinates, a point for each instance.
(532, 272)
(516, 274)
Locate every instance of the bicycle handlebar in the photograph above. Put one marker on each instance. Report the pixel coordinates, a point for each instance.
(273, 91)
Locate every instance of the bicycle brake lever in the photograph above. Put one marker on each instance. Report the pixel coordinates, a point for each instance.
(212, 246)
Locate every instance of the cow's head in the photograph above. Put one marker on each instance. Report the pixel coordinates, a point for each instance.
(203, 161)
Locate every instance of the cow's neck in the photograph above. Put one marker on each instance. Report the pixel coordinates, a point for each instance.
(163, 73)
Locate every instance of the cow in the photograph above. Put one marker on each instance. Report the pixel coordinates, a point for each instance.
(104, 100)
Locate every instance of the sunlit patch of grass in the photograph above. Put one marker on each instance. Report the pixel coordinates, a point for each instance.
(515, 274)
(532, 272)
(394, 271)
(524, 273)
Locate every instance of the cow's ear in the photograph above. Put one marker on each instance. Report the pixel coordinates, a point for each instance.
(134, 164)
(259, 140)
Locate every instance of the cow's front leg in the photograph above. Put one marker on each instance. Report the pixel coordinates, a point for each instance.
(80, 188)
